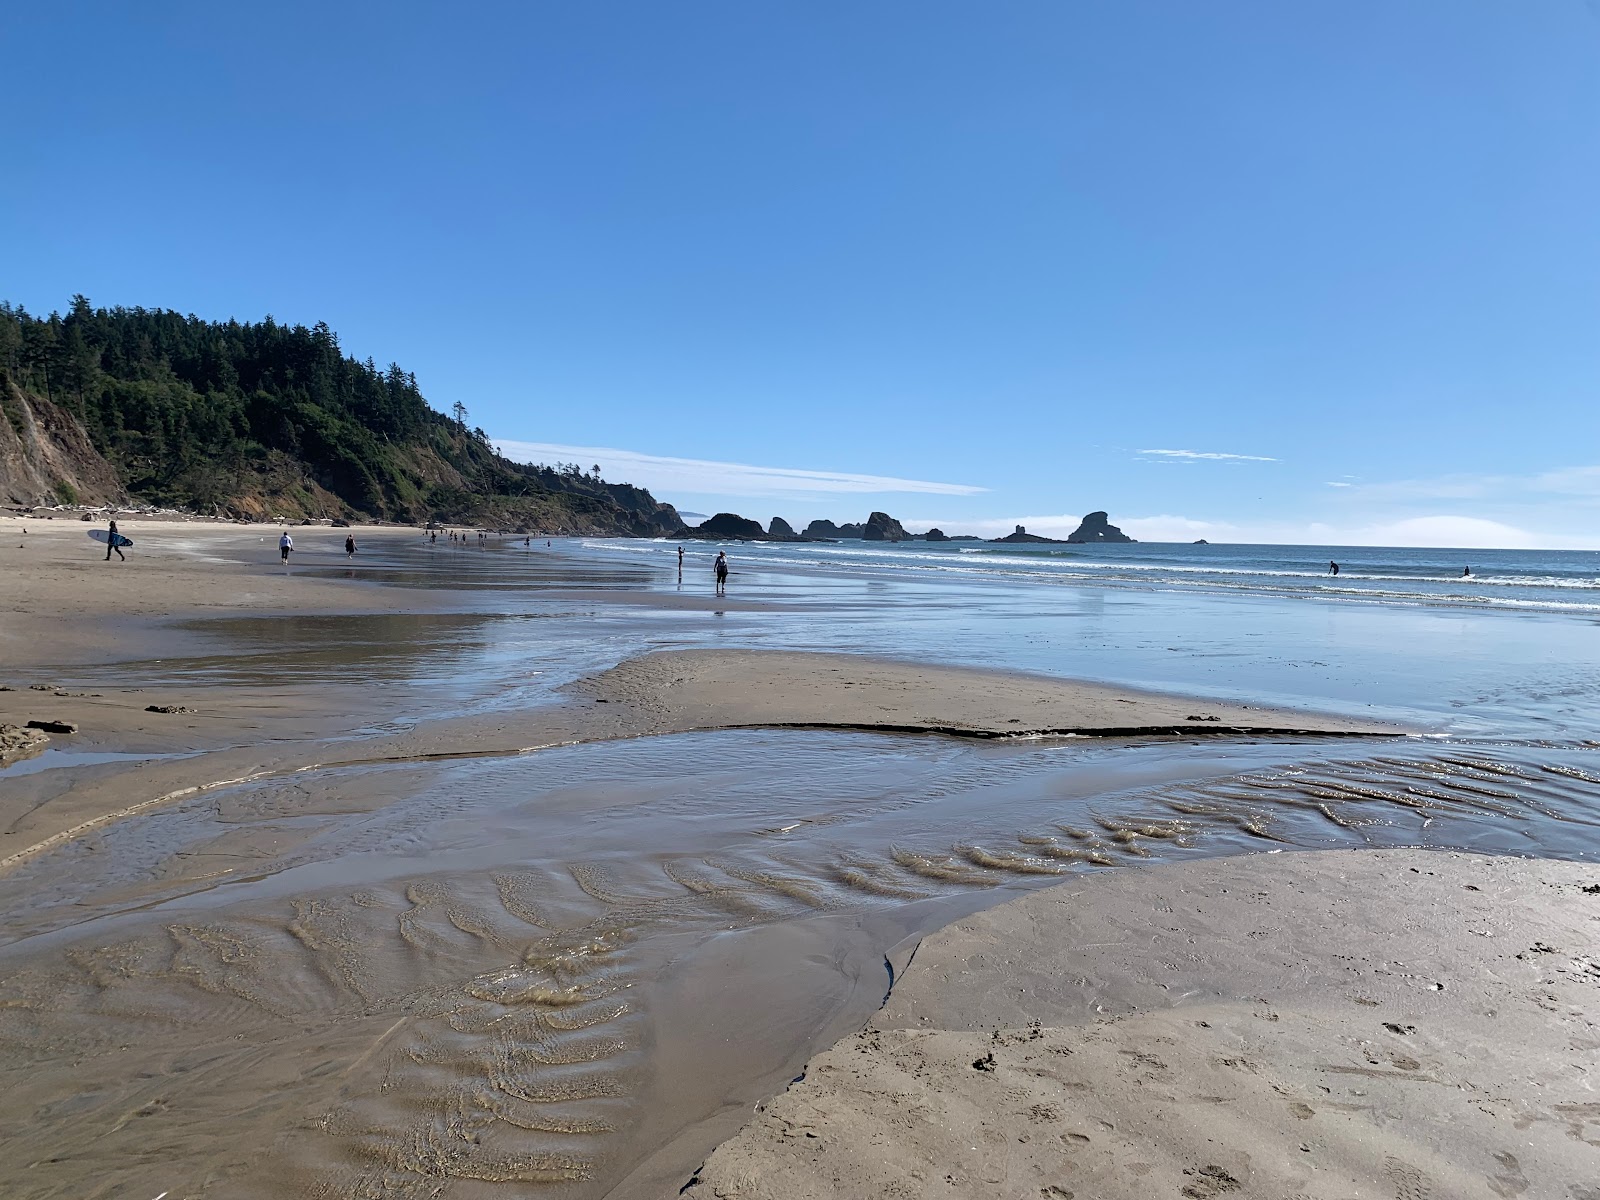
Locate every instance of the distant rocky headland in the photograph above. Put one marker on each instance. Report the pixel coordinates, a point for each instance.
(131, 407)
(881, 527)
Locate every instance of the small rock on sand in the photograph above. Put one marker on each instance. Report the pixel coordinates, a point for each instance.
(53, 726)
(17, 742)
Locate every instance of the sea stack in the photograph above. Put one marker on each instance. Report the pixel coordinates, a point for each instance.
(1097, 527)
(779, 528)
(729, 525)
(881, 527)
(1022, 535)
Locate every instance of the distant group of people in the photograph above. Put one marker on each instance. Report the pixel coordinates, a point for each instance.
(483, 538)
(719, 566)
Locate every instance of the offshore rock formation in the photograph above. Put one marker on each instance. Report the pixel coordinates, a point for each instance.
(727, 525)
(935, 535)
(779, 528)
(828, 531)
(1022, 535)
(881, 527)
(1096, 527)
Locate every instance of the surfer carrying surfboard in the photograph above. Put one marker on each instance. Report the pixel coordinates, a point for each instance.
(114, 543)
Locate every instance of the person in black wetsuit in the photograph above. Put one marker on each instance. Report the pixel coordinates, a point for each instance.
(111, 544)
(1333, 568)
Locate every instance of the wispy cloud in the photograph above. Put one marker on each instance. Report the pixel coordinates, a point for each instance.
(707, 478)
(1211, 455)
(1576, 484)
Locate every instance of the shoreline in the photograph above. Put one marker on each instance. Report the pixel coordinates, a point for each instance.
(668, 692)
(778, 992)
(1317, 1024)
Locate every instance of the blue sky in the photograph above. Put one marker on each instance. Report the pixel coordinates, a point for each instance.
(1254, 271)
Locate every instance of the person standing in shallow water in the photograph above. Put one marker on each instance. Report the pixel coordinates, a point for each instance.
(1333, 568)
(349, 545)
(111, 544)
(722, 572)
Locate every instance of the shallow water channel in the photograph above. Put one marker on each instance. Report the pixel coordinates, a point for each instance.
(570, 973)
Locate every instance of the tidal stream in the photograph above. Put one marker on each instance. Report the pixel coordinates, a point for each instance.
(570, 972)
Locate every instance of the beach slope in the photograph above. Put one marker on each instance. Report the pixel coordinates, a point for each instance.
(1311, 1025)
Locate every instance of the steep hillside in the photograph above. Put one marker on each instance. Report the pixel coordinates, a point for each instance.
(253, 419)
(46, 457)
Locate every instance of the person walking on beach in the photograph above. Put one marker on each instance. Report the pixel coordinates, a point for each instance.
(680, 564)
(111, 543)
(722, 572)
(349, 545)
(1333, 568)
(285, 544)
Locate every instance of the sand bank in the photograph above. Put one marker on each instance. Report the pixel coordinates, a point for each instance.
(1332, 1024)
(721, 689)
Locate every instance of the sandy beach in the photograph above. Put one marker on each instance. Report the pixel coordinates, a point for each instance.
(1356, 1023)
(329, 893)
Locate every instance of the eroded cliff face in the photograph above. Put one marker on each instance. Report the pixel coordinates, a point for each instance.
(46, 456)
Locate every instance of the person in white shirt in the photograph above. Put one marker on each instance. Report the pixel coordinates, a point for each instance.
(285, 544)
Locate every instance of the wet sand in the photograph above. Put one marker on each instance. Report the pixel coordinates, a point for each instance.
(334, 928)
(578, 970)
(1389, 1023)
(670, 692)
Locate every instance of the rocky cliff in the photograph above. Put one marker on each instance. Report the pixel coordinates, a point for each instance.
(781, 529)
(1097, 527)
(46, 456)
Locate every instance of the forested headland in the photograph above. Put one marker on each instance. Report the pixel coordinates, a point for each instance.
(254, 419)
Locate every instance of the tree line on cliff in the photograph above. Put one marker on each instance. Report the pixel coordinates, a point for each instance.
(251, 417)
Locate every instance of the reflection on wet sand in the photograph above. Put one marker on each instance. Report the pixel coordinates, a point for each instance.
(479, 977)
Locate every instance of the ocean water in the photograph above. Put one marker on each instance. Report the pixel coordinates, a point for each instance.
(1509, 651)
(1546, 580)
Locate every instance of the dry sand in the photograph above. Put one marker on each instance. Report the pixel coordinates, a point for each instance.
(1409, 1024)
